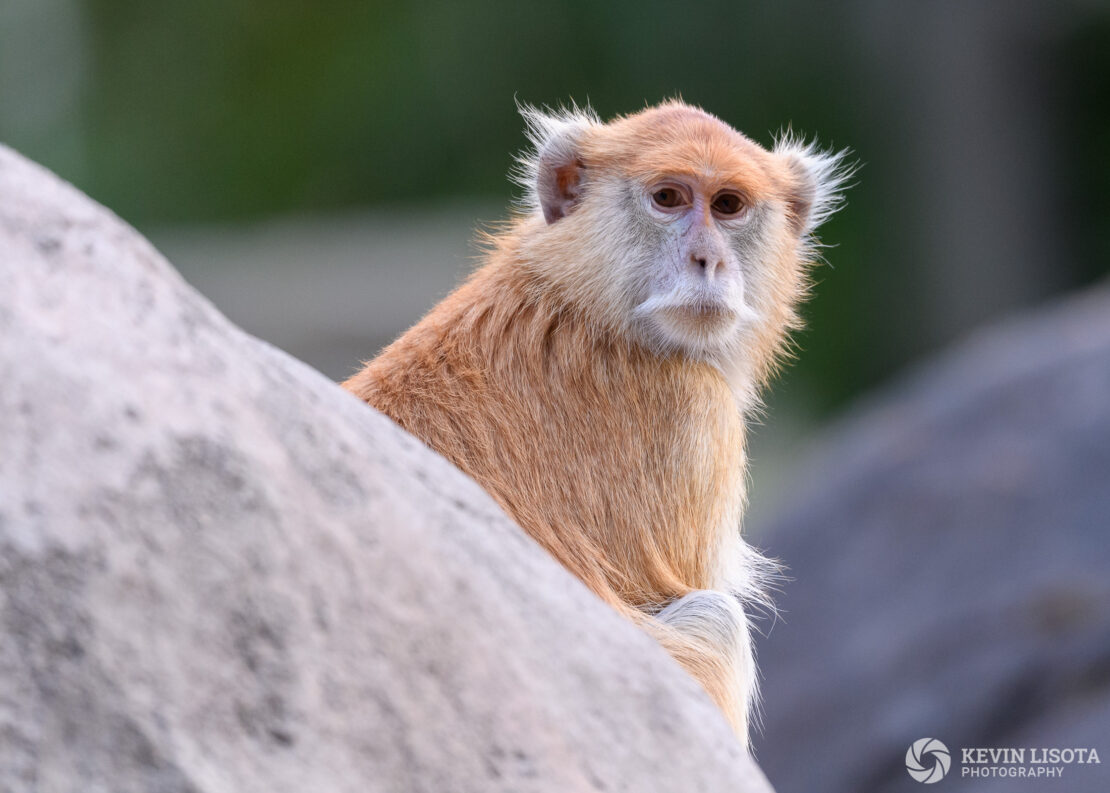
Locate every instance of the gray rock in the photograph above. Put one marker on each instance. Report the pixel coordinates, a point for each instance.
(220, 572)
(950, 549)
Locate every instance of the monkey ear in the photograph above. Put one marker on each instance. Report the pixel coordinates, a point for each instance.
(552, 174)
(558, 180)
(816, 182)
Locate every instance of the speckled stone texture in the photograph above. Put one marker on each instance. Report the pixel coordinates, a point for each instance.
(220, 572)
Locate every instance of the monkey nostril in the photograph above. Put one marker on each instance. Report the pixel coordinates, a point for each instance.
(709, 267)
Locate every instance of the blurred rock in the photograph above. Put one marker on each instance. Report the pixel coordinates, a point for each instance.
(950, 550)
(219, 572)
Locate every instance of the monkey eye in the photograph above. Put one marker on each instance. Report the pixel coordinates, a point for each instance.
(668, 197)
(728, 204)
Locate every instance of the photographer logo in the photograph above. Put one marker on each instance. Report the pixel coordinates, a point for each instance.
(928, 760)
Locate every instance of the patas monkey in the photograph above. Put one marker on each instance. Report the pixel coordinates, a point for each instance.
(594, 375)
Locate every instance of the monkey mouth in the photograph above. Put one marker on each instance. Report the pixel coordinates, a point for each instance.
(707, 309)
(693, 319)
(699, 320)
(703, 313)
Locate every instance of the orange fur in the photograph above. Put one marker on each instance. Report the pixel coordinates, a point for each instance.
(626, 462)
(602, 431)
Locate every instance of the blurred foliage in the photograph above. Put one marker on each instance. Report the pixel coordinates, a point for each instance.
(249, 107)
(1086, 64)
(230, 110)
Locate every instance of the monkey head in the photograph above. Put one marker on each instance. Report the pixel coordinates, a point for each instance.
(684, 234)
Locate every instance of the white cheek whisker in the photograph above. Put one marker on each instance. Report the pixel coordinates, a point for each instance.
(653, 305)
(748, 315)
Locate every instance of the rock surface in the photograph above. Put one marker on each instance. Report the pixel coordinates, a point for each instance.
(950, 550)
(220, 572)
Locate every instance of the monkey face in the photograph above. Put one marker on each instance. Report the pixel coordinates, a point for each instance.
(671, 226)
(691, 293)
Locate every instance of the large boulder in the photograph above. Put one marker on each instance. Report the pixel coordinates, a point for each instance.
(220, 572)
(950, 550)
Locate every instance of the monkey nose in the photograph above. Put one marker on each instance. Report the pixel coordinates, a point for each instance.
(709, 266)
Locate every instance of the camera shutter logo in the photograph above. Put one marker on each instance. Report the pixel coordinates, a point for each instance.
(928, 760)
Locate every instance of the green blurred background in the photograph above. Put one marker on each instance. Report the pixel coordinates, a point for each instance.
(317, 168)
